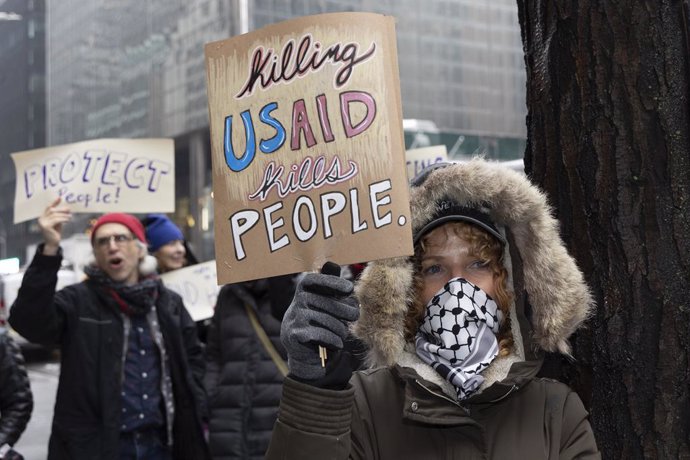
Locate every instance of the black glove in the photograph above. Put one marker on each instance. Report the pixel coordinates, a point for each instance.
(318, 315)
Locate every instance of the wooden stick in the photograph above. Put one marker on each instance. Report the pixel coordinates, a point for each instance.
(323, 354)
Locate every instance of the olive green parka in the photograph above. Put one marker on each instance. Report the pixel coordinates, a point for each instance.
(401, 408)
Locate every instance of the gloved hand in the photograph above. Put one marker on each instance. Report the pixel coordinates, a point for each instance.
(318, 315)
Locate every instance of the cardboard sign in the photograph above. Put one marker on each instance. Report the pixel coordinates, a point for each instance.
(105, 175)
(307, 146)
(418, 159)
(197, 286)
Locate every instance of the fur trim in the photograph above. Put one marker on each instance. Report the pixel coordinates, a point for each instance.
(496, 371)
(384, 295)
(557, 292)
(148, 265)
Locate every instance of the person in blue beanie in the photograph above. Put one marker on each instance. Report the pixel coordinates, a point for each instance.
(167, 244)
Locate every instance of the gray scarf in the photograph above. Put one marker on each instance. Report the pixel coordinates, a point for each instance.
(457, 336)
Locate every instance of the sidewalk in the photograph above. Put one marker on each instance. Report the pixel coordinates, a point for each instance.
(33, 444)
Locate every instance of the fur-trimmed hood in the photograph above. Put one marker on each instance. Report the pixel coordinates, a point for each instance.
(537, 261)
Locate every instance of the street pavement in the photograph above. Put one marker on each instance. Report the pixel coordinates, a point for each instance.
(43, 374)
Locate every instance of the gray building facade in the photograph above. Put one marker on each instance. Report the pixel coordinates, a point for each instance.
(22, 107)
(126, 68)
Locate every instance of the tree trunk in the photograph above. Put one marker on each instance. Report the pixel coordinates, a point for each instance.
(609, 142)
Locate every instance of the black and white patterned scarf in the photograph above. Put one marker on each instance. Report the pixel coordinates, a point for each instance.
(458, 334)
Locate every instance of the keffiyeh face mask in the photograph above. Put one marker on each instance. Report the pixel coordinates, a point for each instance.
(457, 336)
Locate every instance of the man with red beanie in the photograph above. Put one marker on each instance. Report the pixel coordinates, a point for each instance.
(132, 367)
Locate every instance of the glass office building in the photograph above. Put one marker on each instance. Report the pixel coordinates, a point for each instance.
(22, 107)
(126, 68)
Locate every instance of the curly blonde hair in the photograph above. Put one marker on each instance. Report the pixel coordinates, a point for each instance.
(484, 246)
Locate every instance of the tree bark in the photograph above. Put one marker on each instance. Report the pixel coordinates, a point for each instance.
(609, 142)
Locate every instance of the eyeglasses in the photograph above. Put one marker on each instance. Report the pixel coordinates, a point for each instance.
(120, 240)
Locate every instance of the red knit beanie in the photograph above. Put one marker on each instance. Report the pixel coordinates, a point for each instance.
(128, 220)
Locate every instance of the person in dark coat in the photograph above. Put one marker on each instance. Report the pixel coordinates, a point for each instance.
(242, 381)
(456, 335)
(16, 401)
(131, 379)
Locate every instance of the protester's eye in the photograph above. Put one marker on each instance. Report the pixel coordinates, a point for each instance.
(480, 264)
(121, 238)
(434, 269)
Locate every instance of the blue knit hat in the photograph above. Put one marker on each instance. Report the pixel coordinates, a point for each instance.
(160, 231)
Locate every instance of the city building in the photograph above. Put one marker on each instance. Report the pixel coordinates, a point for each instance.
(22, 107)
(126, 68)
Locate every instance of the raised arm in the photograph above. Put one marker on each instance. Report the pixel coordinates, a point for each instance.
(50, 223)
(34, 313)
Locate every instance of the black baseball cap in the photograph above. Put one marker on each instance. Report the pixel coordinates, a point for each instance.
(448, 210)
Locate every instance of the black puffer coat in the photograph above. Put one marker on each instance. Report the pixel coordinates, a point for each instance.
(87, 325)
(16, 401)
(242, 382)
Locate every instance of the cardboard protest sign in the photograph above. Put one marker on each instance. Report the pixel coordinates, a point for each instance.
(197, 286)
(307, 146)
(104, 175)
(418, 159)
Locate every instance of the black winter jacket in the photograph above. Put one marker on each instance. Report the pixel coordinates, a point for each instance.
(242, 382)
(87, 325)
(16, 401)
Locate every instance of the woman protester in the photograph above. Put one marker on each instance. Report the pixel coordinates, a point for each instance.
(167, 244)
(456, 335)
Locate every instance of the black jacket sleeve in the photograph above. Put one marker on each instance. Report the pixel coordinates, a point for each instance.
(213, 356)
(35, 314)
(195, 358)
(16, 401)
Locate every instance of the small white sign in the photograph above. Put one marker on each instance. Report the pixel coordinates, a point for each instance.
(198, 287)
(418, 159)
